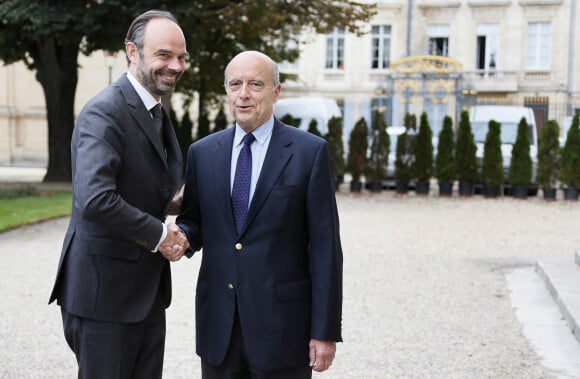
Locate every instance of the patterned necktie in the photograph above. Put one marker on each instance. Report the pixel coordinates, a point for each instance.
(241, 188)
(157, 114)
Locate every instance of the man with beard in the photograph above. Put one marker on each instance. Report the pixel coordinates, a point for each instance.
(114, 281)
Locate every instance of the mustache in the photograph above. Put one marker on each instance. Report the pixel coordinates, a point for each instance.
(168, 71)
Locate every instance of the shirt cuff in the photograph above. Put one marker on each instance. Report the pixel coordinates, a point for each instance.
(163, 235)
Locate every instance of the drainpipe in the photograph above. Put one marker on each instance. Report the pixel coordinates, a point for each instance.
(409, 20)
(571, 55)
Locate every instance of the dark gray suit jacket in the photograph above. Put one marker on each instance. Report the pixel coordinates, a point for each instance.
(123, 183)
(284, 271)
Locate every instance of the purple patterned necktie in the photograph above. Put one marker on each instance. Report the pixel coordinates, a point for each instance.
(241, 188)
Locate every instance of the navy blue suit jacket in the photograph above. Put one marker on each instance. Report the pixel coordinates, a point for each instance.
(285, 268)
(123, 184)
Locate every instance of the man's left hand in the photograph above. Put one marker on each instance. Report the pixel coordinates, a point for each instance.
(321, 354)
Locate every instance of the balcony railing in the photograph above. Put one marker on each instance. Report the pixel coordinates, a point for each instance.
(492, 80)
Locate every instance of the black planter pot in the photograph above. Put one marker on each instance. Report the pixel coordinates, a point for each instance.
(422, 187)
(549, 193)
(401, 186)
(571, 193)
(375, 186)
(446, 189)
(465, 189)
(520, 192)
(490, 191)
(355, 186)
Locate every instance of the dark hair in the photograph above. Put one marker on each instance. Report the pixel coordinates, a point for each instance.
(136, 31)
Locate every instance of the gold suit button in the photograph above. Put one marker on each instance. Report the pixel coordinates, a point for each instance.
(230, 286)
(238, 246)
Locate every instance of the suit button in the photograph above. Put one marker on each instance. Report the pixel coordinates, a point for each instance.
(238, 246)
(230, 286)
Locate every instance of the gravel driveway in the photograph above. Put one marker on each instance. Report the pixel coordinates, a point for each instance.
(425, 294)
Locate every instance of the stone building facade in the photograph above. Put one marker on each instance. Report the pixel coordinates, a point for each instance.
(438, 56)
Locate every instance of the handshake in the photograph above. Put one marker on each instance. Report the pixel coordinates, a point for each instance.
(174, 245)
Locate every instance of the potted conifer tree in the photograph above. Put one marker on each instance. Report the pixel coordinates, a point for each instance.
(357, 153)
(423, 156)
(405, 155)
(548, 156)
(520, 171)
(465, 150)
(492, 164)
(313, 128)
(376, 170)
(336, 146)
(445, 169)
(570, 161)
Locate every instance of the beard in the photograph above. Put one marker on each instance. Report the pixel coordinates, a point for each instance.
(149, 79)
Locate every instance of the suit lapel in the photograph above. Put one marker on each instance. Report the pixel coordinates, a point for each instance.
(142, 115)
(279, 153)
(221, 161)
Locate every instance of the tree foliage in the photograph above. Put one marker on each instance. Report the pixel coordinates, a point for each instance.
(492, 164)
(49, 35)
(520, 171)
(465, 151)
(445, 168)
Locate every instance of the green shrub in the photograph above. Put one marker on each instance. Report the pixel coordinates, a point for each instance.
(492, 165)
(445, 168)
(465, 151)
(378, 160)
(424, 150)
(520, 171)
(548, 155)
(313, 128)
(334, 138)
(357, 150)
(570, 160)
(405, 154)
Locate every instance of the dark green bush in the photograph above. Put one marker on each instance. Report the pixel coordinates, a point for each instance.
(334, 138)
(357, 150)
(424, 150)
(520, 172)
(570, 160)
(313, 128)
(445, 168)
(465, 151)
(492, 165)
(376, 169)
(548, 155)
(405, 154)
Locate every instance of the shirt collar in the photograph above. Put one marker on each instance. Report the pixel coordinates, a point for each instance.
(148, 99)
(261, 133)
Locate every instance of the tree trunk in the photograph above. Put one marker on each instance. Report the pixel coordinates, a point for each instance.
(56, 67)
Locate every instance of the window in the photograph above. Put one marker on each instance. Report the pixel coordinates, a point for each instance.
(335, 49)
(381, 47)
(538, 45)
(487, 47)
(438, 43)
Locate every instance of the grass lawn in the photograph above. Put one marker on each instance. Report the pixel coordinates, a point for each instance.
(21, 207)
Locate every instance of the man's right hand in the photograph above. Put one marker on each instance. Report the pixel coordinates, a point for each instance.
(174, 245)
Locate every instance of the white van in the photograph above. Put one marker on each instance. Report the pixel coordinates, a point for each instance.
(306, 109)
(509, 117)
